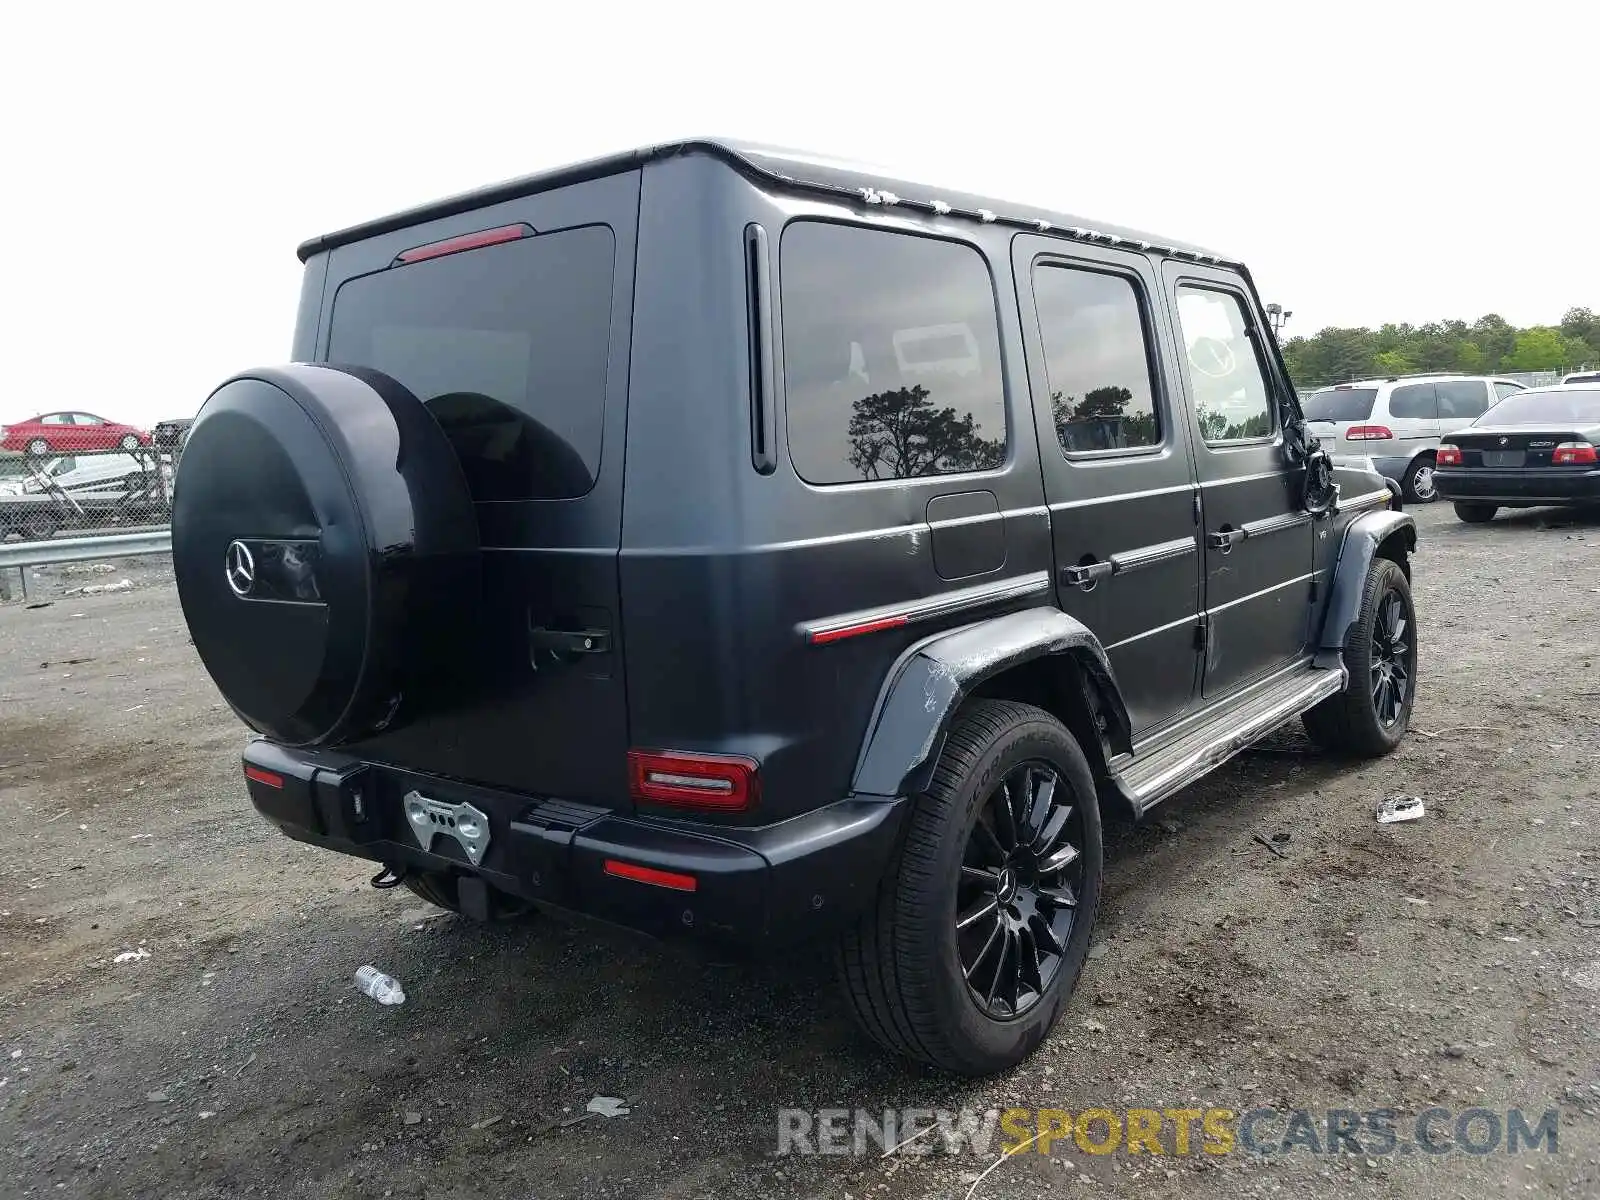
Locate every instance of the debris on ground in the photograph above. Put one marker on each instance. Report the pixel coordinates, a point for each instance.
(1400, 808)
(132, 955)
(609, 1106)
(412, 1118)
(103, 589)
(385, 989)
(487, 1121)
(1263, 841)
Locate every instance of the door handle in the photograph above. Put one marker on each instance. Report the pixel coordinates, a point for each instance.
(1224, 539)
(570, 641)
(1086, 575)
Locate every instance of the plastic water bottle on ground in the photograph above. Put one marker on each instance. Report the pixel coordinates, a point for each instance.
(385, 989)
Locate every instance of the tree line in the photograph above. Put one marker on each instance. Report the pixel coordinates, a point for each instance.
(1487, 346)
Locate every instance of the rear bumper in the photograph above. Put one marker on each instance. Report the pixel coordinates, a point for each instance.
(777, 884)
(1391, 468)
(1519, 489)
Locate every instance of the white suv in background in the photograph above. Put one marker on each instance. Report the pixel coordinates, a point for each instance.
(1397, 422)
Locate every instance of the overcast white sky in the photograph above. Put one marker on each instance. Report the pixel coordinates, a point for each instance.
(1371, 161)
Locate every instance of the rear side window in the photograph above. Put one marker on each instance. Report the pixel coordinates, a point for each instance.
(1096, 358)
(1416, 401)
(1340, 404)
(1502, 390)
(506, 345)
(1467, 398)
(891, 355)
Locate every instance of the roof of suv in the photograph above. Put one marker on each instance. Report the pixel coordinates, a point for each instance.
(794, 170)
(1422, 376)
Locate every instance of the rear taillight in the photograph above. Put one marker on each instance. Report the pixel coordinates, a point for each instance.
(1448, 456)
(1571, 454)
(716, 782)
(1368, 433)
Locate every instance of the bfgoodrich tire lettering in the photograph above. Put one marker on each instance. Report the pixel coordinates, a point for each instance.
(902, 964)
(1371, 715)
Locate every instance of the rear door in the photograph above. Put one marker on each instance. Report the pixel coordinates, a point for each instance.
(1413, 419)
(1258, 538)
(1461, 402)
(512, 324)
(1118, 468)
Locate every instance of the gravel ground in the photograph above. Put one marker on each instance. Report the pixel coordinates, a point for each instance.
(1452, 961)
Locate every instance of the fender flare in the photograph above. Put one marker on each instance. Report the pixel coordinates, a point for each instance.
(1362, 540)
(929, 682)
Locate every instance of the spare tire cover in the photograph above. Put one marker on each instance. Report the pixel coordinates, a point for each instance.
(326, 550)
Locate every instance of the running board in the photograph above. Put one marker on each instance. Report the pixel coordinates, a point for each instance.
(1149, 778)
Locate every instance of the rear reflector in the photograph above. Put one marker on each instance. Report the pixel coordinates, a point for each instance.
(819, 637)
(666, 879)
(1570, 454)
(467, 241)
(1368, 433)
(270, 778)
(717, 782)
(1447, 456)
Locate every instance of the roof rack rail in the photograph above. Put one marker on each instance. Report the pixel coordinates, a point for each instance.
(1423, 375)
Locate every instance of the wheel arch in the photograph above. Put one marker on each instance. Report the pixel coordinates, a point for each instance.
(1039, 656)
(1388, 534)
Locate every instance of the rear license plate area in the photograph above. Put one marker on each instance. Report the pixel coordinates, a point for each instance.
(1504, 458)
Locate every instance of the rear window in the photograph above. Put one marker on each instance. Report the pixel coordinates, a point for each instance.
(506, 345)
(1340, 404)
(1576, 407)
(891, 355)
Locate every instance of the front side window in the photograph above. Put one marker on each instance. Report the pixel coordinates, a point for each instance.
(1231, 399)
(507, 345)
(1414, 401)
(1097, 361)
(56, 419)
(891, 355)
(1462, 399)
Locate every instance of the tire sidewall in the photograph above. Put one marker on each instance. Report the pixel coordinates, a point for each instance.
(992, 1042)
(1385, 577)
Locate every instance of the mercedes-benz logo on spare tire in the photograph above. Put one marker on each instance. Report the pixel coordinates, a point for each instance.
(241, 569)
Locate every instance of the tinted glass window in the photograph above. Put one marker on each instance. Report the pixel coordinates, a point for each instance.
(506, 345)
(1225, 377)
(1502, 390)
(891, 355)
(1462, 399)
(1578, 406)
(1096, 358)
(56, 419)
(1340, 404)
(1414, 401)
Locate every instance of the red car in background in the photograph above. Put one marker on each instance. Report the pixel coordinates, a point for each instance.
(69, 432)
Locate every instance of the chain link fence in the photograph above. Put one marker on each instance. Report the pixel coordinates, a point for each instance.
(66, 497)
(51, 491)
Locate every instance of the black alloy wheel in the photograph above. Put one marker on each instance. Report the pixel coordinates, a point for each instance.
(1021, 876)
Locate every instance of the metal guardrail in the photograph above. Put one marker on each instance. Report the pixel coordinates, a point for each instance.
(19, 556)
(85, 549)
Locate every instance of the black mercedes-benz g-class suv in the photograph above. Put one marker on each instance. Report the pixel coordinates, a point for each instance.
(737, 544)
